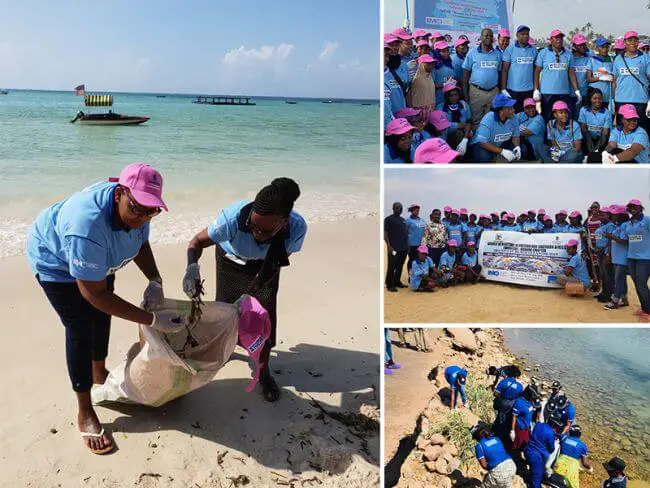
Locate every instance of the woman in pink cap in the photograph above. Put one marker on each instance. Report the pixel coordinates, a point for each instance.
(575, 270)
(74, 249)
(422, 92)
(421, 272)
(503, 40)
(444, 70)
(628, 142)
(459, 115)
(422, 48)
(472, 270)
(435, 151)
(547, 225)
(437, 125)
(531, 131)
(446, 273)
(618, 252)
(435, 236)
(398, 142)
(461, 46)
(564, 136)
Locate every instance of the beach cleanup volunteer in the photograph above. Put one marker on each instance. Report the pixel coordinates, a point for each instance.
(444, 71)
(581, 64)
(637, 234)
(470, 261)
(74, 249)
(505, 395)
(459, 115)
(596, 125)
(435, 237)
(531, 130)
(421, 270)
(399, 146)
(619, 257)
(492, 457)
(456, 378)
(599, 72)
(394, 87)
(573, 452)
(461, 46)
(396, 239)
(415, 226)
(497, 137)
(628, 143)
(253, 242)
(522, 420)
(575, 270)
(564, 136)
(518, 69)
(540, 446)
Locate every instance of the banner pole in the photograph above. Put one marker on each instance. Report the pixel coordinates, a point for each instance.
(407, 19)
(513, 6)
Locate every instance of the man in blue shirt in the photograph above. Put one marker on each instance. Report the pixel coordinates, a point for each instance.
(74, 249)
(396, 239)
(518, 68)
(540, 446)
(497, 137)
(456, 378)
(619, 257)
(415, 226)
(637, 234)
(405, 53)
(572, 450)
(575, 270)
(481, 76)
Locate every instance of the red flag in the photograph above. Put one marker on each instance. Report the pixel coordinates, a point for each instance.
(80, 90)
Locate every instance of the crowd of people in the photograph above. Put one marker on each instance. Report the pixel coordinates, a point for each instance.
(447, 101)
(534, 436)
(614, 242)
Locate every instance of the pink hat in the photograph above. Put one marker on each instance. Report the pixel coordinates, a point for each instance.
(494, 213)
(460, 41)
(407, 112)
(436, 35)
(571, 243)
(420, 33)
(254, 329)
(630, 34)
(463, 211)
(434, 150)
(556, 32)
(421, 43)
(447, 209)
(449, 86)
(390, 37)
(425, 58)
(504, 33)
(483, 216)
(412, 206)
(532, 211)
(560, 105)
(529, 102)
(440, 45)
(606, 209)
(398, 126)
(455, 211)
(628, 111)
(575, 214)
(616, 210)
(634, 201)
(579, 39)
(439, 120)
(452, 243)
(532, 42)
(547, 217)
(403, 34)
(562, 212)
(541, 211)
(619, 44)
(144, 183)
(505, 216)
(471, 243)
(423, 249)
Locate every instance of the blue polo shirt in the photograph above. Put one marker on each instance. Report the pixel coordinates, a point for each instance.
(625, 141)
(455, 231)
(225, 232)
(521, 59)
(493, 131)
(457, 63)
(577, 229)
(465, 113)
(602, 243)
(542, 439)
(484, 67)
(573, 447)
(551, 230)
(492, 450)
(595, 121)
(523, 411)
(564, 137)
(447, 260)
(603, 86)
(78, 239)
(468, 260)
(416, 227)
(442, 74)
(511, 228)
(557, 228)
(403, 71)
(535, 124)
(419, 270)
(509, 388)
(528, 225)
(451, 375)
(637, 233)
(619, 251)
(394, 99)
(471, 232)
(628, 90)
(581, 64)
(555, 74)
(568, 413)
(579, 269)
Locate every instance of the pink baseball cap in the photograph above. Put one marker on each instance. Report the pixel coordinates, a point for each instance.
(390, 37)
(529, 102)
(505, 216)
(449, 86)
(452, 243)
(560, 105)
(575, 214)
(407, 112)
(254, 329)
(556, 32)
(425, 58)
(455, 211)
(494, 213)
(440, 45)
(460, 41)
(619, 44)
(511, 215)
(412, 206)
(547, 217)
(541, 211)
(532, 42)
(436, 35)
(571, 243)
(562, 212)
(616, 210)
(463, 211)
(628, 111)
(471, 243)
(421, 43)
(483, 216)
(144, 183)
(403, 34)
(630, 34)
(606, 210)
(423, 249)
(398, 127)
(420, 33)
(504, 33)
(634, 201)
(579, 39)
(439, 120)
(435, 150)
(447, 209)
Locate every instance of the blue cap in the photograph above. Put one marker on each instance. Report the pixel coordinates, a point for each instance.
(500, 101)
(602, 41)
(522, 27)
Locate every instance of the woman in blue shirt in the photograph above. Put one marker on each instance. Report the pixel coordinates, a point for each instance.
(531, 129)
(421, 272)
(459, 115)
(253, 241)
(618, 253)
(74, 249)
(492, 456)
(398, 142)
(595, 123)
(573, 453)
(548, 227)
(446, 274)
(575, 270)
(628, 142)
(471, 269)
(444, 70)
(564, 137)
(599, 73)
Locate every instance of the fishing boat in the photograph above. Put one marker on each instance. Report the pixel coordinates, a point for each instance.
(291, 102)
(109, 118)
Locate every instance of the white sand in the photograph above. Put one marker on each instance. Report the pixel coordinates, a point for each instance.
(328, 324)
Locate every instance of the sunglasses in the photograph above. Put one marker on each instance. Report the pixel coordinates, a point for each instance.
(140, 210)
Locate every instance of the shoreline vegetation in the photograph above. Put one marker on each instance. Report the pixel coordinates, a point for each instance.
(439, 450)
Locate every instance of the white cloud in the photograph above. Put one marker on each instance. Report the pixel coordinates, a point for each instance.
(243, 56)
(329, 49)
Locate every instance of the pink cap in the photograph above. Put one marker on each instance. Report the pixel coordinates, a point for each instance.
(407, 112)
(579, 39)
(494, 213)
(505, 216)
(634, 201)
(144, 183)
(575, 214)
(532, 42)
(511, 215)
(447, 209)
(532, 211)
(504, 33)
(471, 243)
(547, 217)
(435, 150)
(398, 126)
(440, 45)
(439, 120)
(403, 34)
(630, 34)
(529, 102)
(562, 212)
(556, 32)
(463, 211)
(483, 216)
(390, 37)
(421, 43)
(619, 44)
(425, 58)
(436, 35)
(606, 209)
(541, 211)
(423, 249)
(452, 242)
(628, 111)
(460, 41)
(616, 210)
(449, 86)
(412, 206)
(455, 211)
(420, 33)
(254, 328)
(571, 243)
(560, 105)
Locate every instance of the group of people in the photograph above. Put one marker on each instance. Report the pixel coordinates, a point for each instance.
(535, 436)
(615, 243)
(565, 103)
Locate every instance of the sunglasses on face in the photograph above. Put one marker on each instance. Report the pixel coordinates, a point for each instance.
(140, 210)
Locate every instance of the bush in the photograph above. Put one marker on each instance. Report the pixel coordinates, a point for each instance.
(455, 429)
(480, 398)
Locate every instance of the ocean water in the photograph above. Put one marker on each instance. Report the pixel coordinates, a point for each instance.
(208, 156)
(606, 374)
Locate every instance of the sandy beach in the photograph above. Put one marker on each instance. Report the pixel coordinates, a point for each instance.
(326, 363)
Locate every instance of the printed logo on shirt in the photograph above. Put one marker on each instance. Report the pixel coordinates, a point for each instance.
(490, 442)
(625, 71)
(635, 238)
(82, 264)
(503, 137)
(386, 94)
(525, 60)
(256, 344)
(594, 128)
(557, 66)
(624, 147)
(393, 84)
(488, 64)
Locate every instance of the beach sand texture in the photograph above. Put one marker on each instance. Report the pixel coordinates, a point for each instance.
(217, 436)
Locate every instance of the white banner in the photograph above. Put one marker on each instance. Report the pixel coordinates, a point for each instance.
(524, 259)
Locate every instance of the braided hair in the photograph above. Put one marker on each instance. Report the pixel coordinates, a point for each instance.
(277, 198)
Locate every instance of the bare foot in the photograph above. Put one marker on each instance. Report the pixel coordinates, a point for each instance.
(88, 422)
(100, 373)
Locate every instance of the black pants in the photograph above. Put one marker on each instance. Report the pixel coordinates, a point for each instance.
(606, 276)
(412, 255)
(520, 97)
(435, 253)
(644, 122)
(86, 330)
(395, 268)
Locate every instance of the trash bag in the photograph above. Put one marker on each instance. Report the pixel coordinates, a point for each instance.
(161, 367)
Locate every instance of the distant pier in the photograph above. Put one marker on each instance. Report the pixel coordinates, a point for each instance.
(225, 100)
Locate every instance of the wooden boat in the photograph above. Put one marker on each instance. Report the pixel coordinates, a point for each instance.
(109, 118)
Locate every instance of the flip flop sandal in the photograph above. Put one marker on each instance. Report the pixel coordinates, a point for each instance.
(106, 450)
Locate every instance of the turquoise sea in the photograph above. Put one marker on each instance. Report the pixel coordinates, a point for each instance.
(208, 156)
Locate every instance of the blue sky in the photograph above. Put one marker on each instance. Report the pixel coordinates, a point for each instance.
(280, 47)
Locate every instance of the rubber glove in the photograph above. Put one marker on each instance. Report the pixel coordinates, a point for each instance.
(606, 158)
(506, 93)
(517, 152)
(537, 96)
(605, 77)
(462, 146)
(512, 435)
(647, 109)
(153, 295)
(578, 96)
(192, 277)
(509, 155)
(168, 321)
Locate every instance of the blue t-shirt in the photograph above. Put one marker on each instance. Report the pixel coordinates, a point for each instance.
(455, 231)
(509, 388)
(528, 225)
(492, 130)
(451, 375)
(603, 86)
(573, 447)
(576, 229)
(511, 228)
(468, 260)
(441, 75)
(447, 260)
(602, 242)
(225, 232)
(581, 64)
(579, 269)
(619, 251)
(637, 233)
(551, 230)
(521, 59)
(465, 113)
(555, 74)
(523, 411)
(542, 439)
(559, 228)
(595, 121)
(403, 72)
(471, 233)
(568, 413)
(419, 270)
(564, 137)
(394, 99)
(492, 450)
(457, 63)
(484, 67)
(416, 227)
(78, 238)
(625, 141)
(628, 90)
(535, 125)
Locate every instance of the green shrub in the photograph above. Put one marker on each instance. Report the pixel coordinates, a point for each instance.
(480, 398)
(455, 429)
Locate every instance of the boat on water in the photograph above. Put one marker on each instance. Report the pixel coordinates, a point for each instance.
(109, 118)
(291, 102)
(3, 92)
(327, 101)
(161, 96)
